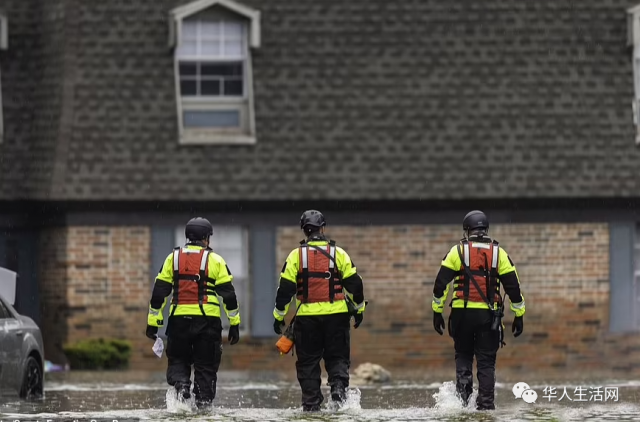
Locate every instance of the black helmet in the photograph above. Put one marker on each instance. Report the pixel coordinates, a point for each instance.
(475, 220)
(198, 228)
(312, 218)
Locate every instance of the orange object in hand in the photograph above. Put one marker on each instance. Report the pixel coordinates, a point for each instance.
(285, 343)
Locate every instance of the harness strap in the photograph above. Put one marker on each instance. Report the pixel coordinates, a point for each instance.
(202, 283)
(304, 259)
(176, 278)
(464, 260)
(334, 275)
(201, 278)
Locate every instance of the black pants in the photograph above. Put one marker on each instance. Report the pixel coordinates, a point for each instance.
(322, 337)
(194, 340)
(472, 335)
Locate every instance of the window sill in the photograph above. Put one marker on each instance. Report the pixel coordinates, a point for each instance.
(218, 139)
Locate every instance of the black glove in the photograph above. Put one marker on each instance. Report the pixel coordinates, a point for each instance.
(517, 327)
(152, 332)
(234, 334)
(358, 319)
(438, 322)
(277, 326)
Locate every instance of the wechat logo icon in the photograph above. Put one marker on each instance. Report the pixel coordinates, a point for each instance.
(522, 391)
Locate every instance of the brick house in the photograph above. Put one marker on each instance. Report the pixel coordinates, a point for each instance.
(121, 120)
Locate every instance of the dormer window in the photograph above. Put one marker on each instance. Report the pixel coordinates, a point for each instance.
(213, 72)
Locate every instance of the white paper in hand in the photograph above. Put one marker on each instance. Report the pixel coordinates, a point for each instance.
(158, 347)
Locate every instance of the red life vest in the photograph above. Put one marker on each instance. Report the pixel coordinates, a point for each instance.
(318, 278)
(190, 277)
(481, 260)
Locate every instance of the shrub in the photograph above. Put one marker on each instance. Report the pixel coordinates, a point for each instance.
(98, 354)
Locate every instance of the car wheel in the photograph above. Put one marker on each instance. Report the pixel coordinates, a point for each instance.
(32, 381)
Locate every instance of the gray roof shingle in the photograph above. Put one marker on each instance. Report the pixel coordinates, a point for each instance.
(360, 100)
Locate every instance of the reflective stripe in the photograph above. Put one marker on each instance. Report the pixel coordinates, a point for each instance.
(233, 313)
(332, 252)
(360, 306)
(176, 256)
(481, 245)
(154, 312)
(187, 250)
(494, 261)
(518, 305)
(466, 253)
(279, 312)
(437, 301)
(303, 252)
(203, 262)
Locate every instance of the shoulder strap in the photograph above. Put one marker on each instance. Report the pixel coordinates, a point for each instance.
(330, 255)
(176, 273)
(304, 269)
(202, 280)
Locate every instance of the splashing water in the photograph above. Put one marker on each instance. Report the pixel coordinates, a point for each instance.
(175, 405)
(448, 401)
(351, 403)
(249, 399)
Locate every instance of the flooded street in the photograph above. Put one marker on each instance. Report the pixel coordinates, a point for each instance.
(265, 398)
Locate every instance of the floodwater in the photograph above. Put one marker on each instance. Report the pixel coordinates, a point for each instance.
(264, 397)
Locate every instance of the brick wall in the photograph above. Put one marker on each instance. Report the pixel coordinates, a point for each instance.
(564, 272)
(95, 283)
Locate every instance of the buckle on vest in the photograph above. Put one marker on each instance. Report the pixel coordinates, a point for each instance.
(328, 277)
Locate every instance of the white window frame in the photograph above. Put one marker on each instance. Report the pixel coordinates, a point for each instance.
(633, 40)
(4, 44)
(245, 104)
(244, 301)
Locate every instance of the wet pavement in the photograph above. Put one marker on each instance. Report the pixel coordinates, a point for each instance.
(264, 397)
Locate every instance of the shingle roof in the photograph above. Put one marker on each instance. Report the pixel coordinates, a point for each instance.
(365, 99)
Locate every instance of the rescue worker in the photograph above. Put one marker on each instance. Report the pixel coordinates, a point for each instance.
(197, 277)
(328, 293)
(478, 266)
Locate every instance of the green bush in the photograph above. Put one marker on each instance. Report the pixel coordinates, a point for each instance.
(98, 354)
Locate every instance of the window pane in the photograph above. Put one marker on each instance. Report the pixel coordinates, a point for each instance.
(188, 68)
(232, 30)
(188, 88)
(189, 30)
(210, 48)
(211, 118)
(210, 87)
(221, 69)
(235, 261)
(231, 237)
(210, 29)
(233, 87)
(188, 48)
(233, 49)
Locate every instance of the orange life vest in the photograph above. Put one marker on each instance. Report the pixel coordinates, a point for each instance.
(190, 277)
(318, 278)
(481, 260)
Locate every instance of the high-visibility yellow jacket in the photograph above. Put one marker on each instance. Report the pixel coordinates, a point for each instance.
(217, 284)
(451, 269)
(290, 279)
